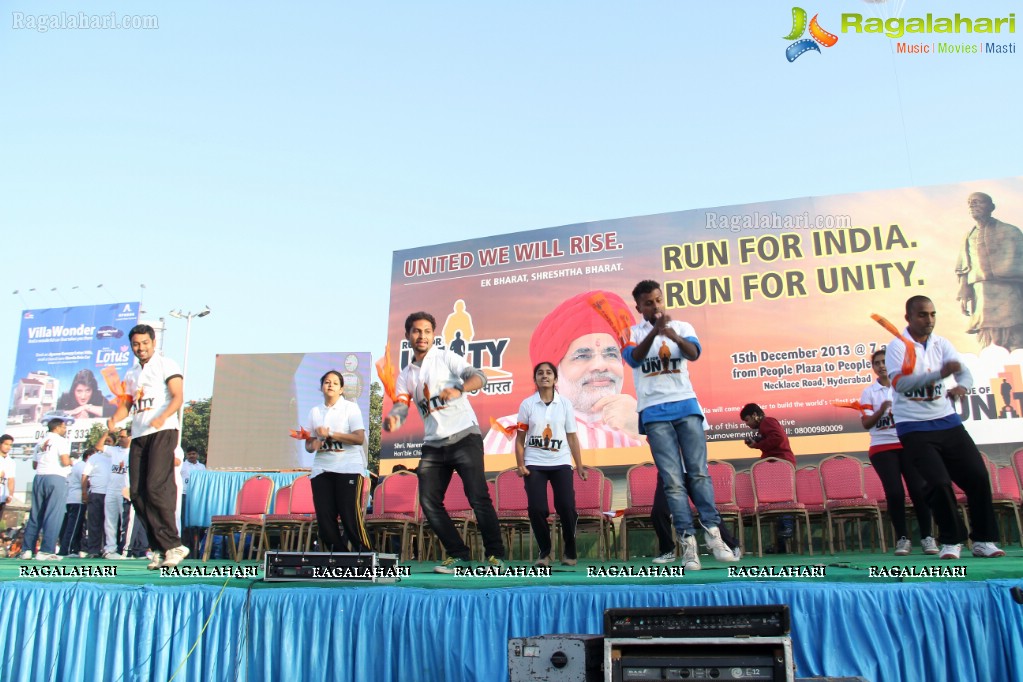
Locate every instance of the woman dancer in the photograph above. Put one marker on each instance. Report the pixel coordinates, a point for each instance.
(337, 435)
(545, 447)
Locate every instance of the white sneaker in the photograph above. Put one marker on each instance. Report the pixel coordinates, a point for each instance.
(83, 555)
(988, 550)
(690, 553)
(722, 552)
(451, 564)
(50, 556)
(666, 558)
(26, 555)
(174, 556)
(903, 546)
(929, 545)
(737, 553)
(154, 561)
(113, 556)
(950, 551)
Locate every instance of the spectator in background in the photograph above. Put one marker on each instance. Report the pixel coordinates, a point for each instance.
(768, 434)
(7, 471)
(115, 516)
(188, 467)
(52, 462)
(74, 517)
(95, 477)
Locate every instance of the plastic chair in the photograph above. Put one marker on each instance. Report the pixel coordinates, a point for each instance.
(1004, 502)
(251, 505)
(458, 508)
(774, 490)
(640, 484)
(874, 489)
(810, 492)
(961, 504)
(282, 500)
(294, 522)
(744, 496)
(396, 511)
(590, 504)
(512, 509)
(1016, 462)
(846, 499)
(722, 474)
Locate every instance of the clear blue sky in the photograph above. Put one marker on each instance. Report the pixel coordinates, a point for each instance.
(265, 159)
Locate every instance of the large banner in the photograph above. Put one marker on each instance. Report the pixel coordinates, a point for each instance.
(258, 400)
(61, 352)
(780, 294)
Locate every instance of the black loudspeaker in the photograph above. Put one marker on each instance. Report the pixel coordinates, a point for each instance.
(701, 644)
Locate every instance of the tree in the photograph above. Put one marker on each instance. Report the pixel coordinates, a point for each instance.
(95, 432)
(195, 427)
(376, 409)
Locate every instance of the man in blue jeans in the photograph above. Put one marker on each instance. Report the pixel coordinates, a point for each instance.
(52, 462)
(658, 351)
(437, 381)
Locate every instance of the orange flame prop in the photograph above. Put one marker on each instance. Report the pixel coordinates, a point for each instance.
(851, 404)
(301, 434)
(508, 431)
(619, 322)
(388, 375)
(909, 360)
(116, 386)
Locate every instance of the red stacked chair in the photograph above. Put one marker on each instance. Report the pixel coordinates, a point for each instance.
(296, 520)
(1004, 502)
(640, 482)
(250, 507)
(512, 508)
(774, 489)
(722, 474)
(458, 508)
(590, 505)
(810, 492)
(396, 510)
(846, 499)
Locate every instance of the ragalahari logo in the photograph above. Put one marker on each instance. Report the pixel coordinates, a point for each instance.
(818, 36)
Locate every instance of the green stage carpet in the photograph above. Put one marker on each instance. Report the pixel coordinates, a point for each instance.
(844, 567)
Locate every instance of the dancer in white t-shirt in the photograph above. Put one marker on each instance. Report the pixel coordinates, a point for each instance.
(337, 439)
(546, 445)
(436, 382)
(892, 463)
(154, 395)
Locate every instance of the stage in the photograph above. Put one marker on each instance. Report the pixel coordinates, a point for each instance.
(138, 625)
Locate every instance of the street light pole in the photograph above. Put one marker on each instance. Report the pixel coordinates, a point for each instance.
(187, 317)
